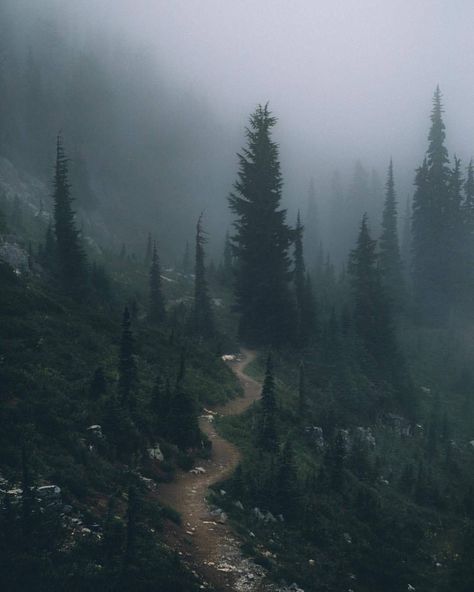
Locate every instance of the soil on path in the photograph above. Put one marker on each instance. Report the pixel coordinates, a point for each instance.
(205, 543)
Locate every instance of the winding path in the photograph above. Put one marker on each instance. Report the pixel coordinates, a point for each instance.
(204, 541)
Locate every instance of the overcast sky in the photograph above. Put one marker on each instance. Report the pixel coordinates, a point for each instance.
(347, 78)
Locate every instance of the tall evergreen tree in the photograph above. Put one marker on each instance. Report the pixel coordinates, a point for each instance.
(262, 239)
(371, 312)
(182, 425)
(267, 435)
(149, 249)
(431, 236)
(202, 318)
(390, 260)
(405, 247)
(305, 303)
(127, 366)
(380, 356)
(71, 257)
(312, 229)
(156, 307)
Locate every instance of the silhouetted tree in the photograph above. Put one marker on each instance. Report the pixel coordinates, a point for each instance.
(390, 260)
(267, 435)
(262, 239)
(202, 316)
(71, 257)
(156, 306)
(127, 366)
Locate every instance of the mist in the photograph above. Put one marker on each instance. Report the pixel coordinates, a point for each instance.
(348, 82)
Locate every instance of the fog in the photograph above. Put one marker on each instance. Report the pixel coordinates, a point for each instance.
(348, 80)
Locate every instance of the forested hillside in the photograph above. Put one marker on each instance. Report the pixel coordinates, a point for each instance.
(136, 283)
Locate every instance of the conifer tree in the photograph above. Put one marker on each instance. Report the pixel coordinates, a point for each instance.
(262, 239)
(127, 367)
(431, 237)
(302, 396)
(149, 249)
(390, 260)
(202, 317)
(312, 230)
(71, 257)
(370, 307)
(405, 247)
(267, 436)
(182, 425)
(156, 306)
(98, 385)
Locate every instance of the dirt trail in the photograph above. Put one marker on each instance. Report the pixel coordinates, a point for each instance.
(203, 541)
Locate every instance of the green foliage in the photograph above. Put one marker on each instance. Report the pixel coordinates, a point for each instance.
(262, 239)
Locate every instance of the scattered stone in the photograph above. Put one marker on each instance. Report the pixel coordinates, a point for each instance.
(95, 431)
(155, 453)
(258, 514)
(198, 471)
(239, 505)
(347, 538)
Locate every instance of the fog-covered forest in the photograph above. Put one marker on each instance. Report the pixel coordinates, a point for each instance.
(236, 296)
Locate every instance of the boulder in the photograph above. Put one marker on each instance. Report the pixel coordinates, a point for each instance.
(155, 453)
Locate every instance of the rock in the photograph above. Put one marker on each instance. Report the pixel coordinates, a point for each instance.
(239, 505)
(223, 492)
(95, 430)
(311, 562)
(269, 517)
(198, 471)
(347, 538)
(228, 358)
(315, 433)
(365, 435)
(280, 518)
(155, 453)
(222, 518)
(411, 588)
(258, 514)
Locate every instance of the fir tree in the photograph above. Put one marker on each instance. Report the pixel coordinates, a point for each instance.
(71, 258)
(127, 367)
(149, 249)
(98, 385)
(302, 395)
(431, 237)
(262, 239)
(202, 317)
(156, 306)
(312, 231)
(267, 436)
(390, 261)
(182, 425)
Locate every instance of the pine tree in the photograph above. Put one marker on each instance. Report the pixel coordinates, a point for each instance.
(98, 384)
(371, 311)
(202, 317)
(379, 356)
(390, 260)
(156, 306)
(71, 257)
(132, 526)
(300, 283)
(431, 237)
(267, 436)
(159, 402)
(127, 367)
(456, 238)
(302, 395)
(312, 230)
(227, 273)
(149, 249)
(405, 248)
(262, 239)
(286, 481)
(182, 425)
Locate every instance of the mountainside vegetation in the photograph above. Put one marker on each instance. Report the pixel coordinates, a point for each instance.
(117, 319)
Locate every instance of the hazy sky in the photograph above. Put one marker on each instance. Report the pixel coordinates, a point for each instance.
(348, 78)
(353, 74)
